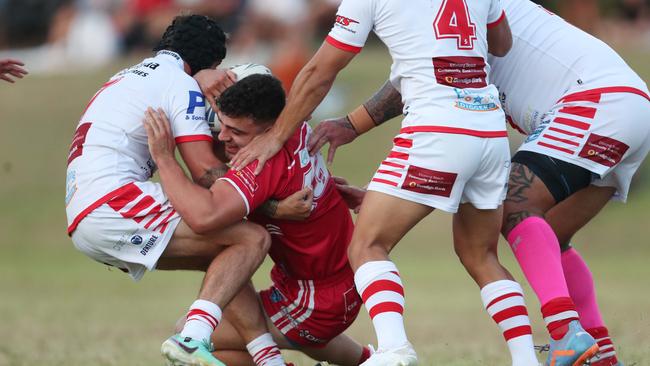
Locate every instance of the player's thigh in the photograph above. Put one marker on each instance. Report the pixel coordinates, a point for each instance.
(570, 215)
(188, 250)
(527, 196)
(385, 219)
(476, 227)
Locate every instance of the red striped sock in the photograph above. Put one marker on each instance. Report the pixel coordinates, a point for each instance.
(265, 351)
(202, 319)
(558, 313)
(504, 301)
(607, 353)
(382, 292)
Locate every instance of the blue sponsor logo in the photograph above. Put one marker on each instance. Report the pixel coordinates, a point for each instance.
(472, 101)
(196, 100)
(136, 240)
(276, 296)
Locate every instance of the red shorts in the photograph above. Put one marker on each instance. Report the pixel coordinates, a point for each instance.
(311, 312)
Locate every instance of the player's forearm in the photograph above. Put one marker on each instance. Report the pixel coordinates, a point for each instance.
(190, 200)
(308, 91)
(385, 104)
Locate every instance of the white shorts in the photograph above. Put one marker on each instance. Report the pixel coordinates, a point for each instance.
(607, 133)
(443, 170)
(131, 231)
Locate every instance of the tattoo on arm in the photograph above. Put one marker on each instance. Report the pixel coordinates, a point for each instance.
(210, 176)
(385, 104)
(269, 208)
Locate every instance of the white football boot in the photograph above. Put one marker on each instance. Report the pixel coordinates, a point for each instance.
(402, 356)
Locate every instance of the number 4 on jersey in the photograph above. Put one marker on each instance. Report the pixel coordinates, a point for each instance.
(453, 21)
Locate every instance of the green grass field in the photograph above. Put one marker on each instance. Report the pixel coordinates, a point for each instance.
(58, 307)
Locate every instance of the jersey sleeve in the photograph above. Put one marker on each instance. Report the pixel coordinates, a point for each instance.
(186, 112)
(257, 189)
(354, 21)
(496, 14)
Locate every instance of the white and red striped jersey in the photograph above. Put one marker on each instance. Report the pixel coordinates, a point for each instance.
(109, 148)
(549, 60)
(439, 51)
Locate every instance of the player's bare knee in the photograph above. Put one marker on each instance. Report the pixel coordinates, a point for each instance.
(257, 242)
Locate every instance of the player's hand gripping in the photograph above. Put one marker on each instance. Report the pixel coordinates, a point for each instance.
(11, 67)
(296, 207)
(336, 131)
(353, 196)
(213, 82)
(261, 148)
(159, 135)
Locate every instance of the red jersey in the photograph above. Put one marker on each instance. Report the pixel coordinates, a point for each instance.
(312, 249)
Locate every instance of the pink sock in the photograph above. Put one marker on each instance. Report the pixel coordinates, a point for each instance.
(538, 252)
(582, 290)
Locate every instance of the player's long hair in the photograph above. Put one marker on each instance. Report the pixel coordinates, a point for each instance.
(197, 39)
(260, 97)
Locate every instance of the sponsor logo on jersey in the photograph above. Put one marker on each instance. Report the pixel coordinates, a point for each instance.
(276, 296)
(304, 158)
(195, 100)
(70, 185)
(136, 240)
(538, 131)
(460, 71)
(345, 21)
(477, 102)
(426, 181)
(603, 150)
(247, 178)
(122, 242)
(150, 244)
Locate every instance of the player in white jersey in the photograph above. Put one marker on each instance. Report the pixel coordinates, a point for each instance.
(120, 218)
(583, 110)
(439, 50)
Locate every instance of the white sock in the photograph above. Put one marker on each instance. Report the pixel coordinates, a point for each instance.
(202, 319)
(381, 289)
(504, 301)
(264, 351)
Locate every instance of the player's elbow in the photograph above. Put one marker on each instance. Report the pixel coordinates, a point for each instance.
(201, 224)
(502, 48)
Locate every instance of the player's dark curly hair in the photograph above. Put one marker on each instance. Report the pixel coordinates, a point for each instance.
(197, 39)
(257, 96)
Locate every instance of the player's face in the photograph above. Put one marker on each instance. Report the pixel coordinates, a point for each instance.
(238, 132)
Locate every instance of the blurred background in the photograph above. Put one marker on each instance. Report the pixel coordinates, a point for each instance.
(58, 307)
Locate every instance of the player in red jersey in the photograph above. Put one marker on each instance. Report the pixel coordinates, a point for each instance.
(313, 298)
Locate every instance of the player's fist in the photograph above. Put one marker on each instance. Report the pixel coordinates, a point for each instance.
(296, 207)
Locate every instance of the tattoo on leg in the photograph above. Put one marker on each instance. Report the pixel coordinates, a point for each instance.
(513, 219)
(520, 181)
(211, 176)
